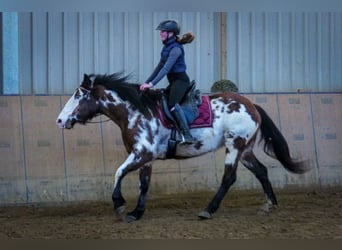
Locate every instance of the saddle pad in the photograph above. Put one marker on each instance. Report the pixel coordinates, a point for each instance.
(204, 119)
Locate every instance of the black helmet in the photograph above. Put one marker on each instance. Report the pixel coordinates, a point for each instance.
(169, 25)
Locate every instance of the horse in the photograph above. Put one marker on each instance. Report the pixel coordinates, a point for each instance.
(236, 124)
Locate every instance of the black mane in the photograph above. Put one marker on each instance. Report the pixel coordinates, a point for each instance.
(143, 101)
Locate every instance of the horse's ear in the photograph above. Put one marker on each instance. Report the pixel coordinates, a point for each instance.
(85, 77)
(86, 80)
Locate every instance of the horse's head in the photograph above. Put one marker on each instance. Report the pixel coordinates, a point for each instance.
(81, 107)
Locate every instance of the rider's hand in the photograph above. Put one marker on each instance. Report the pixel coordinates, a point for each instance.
(145, 86)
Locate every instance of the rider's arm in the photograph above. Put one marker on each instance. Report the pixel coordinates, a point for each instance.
(155, 72)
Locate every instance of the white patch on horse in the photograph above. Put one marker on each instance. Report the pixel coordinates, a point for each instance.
(236, 124)
(232, 151)
(68, 109)
(241, 124)
(133, 118)
(142, 139)
(209, 139)
(114, 95)
(231, 156)
(118, 173)
(268, 200)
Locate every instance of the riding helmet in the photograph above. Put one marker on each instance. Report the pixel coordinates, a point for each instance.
(169, 25)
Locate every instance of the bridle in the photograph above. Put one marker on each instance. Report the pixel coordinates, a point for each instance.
(87, 95)
(99, 121)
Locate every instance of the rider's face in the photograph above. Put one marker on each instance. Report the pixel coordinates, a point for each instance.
(164, 35)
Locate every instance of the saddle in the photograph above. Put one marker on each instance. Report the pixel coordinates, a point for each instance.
(197, 109)
(202, 120)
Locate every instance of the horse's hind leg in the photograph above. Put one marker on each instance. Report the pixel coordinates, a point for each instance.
(229, 176)
(249, 160)
(145, 178)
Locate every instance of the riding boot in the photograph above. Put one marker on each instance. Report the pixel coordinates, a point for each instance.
(180, 118)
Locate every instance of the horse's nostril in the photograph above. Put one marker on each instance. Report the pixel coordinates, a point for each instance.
(59, 121)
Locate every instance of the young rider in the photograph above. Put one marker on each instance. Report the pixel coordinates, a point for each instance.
(172, 64)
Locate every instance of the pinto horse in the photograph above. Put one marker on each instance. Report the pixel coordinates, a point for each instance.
(236, 122)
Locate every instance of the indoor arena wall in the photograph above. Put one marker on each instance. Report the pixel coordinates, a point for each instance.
(41, 163)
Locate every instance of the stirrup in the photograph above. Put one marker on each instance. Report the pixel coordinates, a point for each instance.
(189, 140)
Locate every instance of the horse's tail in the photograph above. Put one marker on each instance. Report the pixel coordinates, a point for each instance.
(276, 146)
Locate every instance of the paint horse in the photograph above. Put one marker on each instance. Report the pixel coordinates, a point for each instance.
(236, 123)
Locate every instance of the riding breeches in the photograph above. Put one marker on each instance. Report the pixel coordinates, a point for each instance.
(179, 84)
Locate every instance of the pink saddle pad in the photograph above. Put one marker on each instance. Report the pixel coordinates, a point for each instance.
(205, 118)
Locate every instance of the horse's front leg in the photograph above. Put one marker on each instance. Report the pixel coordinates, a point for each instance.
(133, 162)
(145, 178)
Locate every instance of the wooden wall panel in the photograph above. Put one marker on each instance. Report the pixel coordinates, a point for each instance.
(198, 173)
(43, 149)
(297, 128)
(166, 177)
(327, 117)
(12, 167)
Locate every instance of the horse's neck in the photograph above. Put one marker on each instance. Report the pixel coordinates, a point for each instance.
(117, 113)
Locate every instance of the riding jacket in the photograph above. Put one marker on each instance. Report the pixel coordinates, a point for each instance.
(171, 61)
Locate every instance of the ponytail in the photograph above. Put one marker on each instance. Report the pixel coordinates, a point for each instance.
(188, 37)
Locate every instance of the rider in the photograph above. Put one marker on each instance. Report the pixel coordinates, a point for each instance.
(172, 64)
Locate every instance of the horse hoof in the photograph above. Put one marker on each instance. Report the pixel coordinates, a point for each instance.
(120, 211)
(130, 218)
(267, 209)
(204, 215)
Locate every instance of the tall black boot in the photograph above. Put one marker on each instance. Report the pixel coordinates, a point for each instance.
(180, 118)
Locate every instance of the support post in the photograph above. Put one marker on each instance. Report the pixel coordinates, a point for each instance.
(223, 45)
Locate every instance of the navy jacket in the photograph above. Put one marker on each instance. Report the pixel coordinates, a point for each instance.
(179, 65)
(172, 60)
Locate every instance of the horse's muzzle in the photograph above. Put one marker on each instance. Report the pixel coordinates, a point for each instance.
(68, 124)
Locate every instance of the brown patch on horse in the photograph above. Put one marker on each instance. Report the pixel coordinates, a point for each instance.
(198, 145)
(98, 92)
(240, 143)
(233, 107)
(143, 155)
(120, 112)
(228, 97)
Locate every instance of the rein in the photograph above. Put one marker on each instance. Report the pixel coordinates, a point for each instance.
(99, 121)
